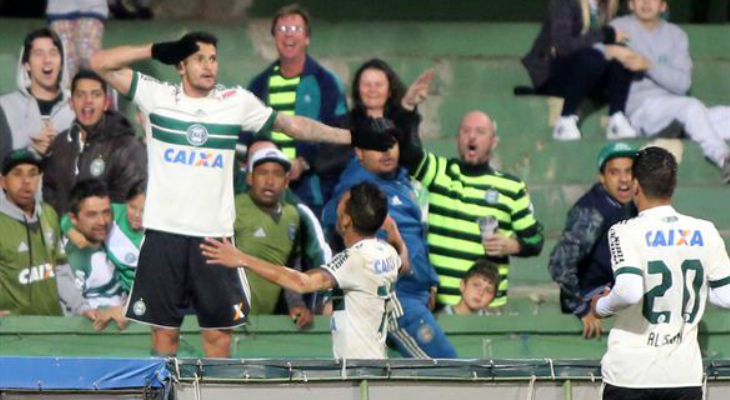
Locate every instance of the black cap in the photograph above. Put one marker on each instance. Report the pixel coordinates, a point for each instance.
(20, 156)
(377, 134)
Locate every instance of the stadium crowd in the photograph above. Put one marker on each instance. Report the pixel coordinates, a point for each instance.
(282, 175)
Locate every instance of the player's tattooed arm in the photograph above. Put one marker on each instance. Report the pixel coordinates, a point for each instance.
(309, 130)
(226, 254)
(112, 65)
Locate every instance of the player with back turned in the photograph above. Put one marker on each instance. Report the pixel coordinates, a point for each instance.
(363, 275)
(666, 266)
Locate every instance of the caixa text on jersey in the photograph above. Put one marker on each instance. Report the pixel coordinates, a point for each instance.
(193, 158)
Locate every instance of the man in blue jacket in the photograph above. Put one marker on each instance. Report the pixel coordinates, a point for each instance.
(296, 84)
(413, 328)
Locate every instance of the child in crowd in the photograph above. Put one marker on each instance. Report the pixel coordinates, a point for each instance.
(478, 288)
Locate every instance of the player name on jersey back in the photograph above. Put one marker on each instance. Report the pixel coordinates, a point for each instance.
(366, 274)
(654, 342)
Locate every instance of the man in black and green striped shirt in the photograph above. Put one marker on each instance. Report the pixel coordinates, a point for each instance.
(296, 84)
(463, 190)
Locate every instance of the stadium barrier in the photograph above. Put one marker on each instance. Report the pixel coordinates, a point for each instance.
(274, 379)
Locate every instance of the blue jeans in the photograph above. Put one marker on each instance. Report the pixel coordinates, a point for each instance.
(416, 334)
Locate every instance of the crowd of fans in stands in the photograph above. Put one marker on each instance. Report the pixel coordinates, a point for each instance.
(74, 172)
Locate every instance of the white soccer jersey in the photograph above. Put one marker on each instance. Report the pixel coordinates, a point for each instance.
(365, 275)
(190, 148)
(653, 344)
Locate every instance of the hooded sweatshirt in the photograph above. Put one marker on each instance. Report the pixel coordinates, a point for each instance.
(20, 116)
(34, 276)
(111, 152)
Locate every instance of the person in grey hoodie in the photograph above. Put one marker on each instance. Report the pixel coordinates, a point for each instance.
(35, 278)
(39, 108)
(659, 52)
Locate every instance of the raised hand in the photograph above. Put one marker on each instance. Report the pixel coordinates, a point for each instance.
(418, 91)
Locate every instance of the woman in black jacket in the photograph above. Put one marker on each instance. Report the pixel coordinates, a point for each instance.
(564, 61)
(378, 92)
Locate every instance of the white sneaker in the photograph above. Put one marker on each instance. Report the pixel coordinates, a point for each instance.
(620, 128)
(726, 171)
(566, 128)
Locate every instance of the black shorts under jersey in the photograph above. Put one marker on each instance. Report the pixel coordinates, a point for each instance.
(611, 392)
(172, 274)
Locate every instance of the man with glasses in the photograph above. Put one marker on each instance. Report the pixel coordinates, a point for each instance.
(296, 84)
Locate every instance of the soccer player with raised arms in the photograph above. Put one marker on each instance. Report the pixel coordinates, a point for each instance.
(192, 129)
(666, 266)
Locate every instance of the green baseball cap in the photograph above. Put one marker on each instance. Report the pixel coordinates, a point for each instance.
(613, 150)
(20, 156)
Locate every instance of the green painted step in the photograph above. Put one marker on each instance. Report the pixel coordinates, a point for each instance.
(342, 39)
(532, 333)
(526, 116)
(532, 273)
(440, 39)
(707, 202)
(455, 10)
(499, 75)
(540, 160)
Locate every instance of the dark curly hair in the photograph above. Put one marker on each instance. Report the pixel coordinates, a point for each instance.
(397, 88)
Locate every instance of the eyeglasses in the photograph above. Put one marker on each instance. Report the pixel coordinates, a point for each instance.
(289, 28)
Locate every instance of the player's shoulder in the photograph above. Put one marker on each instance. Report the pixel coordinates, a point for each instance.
(339, 260)
(699, 224)
(151, 81)
(628, 225)
(223, 92)
(236, 94)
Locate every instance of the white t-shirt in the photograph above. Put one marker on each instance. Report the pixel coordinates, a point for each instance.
(653, 343)
(365, 274)
(190, 147)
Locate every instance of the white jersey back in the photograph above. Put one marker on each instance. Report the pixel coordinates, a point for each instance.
(653, 344)
(365, 274)
(190, 147)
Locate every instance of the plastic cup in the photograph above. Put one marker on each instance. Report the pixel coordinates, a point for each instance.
(487, 226)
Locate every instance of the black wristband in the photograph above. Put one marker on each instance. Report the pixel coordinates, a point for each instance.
(172, 53)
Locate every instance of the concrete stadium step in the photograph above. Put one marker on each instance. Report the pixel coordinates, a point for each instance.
(439, 39)
(455, 10)
(530, 276)
(517, 115)
(424, 40)
(540, 160)
(707, 202)
(464, 75)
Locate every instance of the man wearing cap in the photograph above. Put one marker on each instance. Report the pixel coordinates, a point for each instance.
(266, 227)
(35, 278)
(581, 261)
(414, 330)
